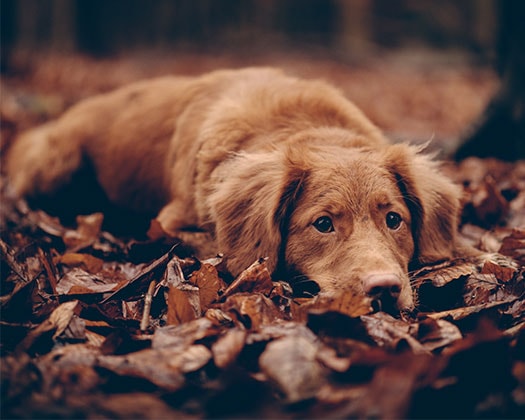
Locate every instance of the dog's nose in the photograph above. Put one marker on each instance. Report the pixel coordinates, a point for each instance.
(382, 285)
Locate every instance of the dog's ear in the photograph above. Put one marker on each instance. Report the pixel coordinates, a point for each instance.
(251, 205)
(433, 201)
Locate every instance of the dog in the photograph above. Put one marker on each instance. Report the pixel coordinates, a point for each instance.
(274, 166)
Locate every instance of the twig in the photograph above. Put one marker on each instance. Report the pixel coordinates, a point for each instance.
(50, 269)
(147, 305)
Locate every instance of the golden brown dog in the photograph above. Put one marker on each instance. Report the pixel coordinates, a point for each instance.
(274, 166)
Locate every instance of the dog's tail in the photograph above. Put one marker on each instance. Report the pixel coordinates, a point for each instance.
(41, 161)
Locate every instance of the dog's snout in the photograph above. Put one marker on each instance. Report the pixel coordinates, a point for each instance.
(382, 284)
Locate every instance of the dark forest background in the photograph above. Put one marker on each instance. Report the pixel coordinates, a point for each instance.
(484, 33)
(105, 27)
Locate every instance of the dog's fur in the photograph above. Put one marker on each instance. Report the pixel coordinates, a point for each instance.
(257, 157)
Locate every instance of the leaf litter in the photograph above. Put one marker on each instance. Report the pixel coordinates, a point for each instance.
(97, 325)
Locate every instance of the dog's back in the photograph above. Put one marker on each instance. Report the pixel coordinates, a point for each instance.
(142, 140)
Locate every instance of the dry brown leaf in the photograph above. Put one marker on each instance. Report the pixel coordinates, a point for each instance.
(347, 303)
(150, 364)
(209, 283)
(86, 262)
(252, 310)
(94, 339)
(69, 356)
(479, 288)
(87, 232)
(131, 405)
(189, 360)
(228, 346)
(183, 304)
(184, 335)
(516, 310)
(460, 313)
(501, 272)
(62, 316)
(77, 281)
(219, 318)
(256, 279)
(163, 367)
(57, 322)
(514, 245)
(141, 279)
(442, 274)
(389, 394)
(436, 334)
(47, 223)
(489, 205)
(183, 297)
(390, 333)
(291, 363)
(328, 357)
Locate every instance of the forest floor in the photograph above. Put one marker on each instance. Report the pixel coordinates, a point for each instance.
(96, 324)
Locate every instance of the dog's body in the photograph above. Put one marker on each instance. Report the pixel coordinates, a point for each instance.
(274, 166)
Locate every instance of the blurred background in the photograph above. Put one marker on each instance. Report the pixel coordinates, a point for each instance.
(421, 69)
(102, 27)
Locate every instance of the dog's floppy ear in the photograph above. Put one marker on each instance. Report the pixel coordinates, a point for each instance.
(433, 201)
(251, 203)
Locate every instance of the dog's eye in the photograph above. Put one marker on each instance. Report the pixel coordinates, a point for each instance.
(324, 224)
(393, 220)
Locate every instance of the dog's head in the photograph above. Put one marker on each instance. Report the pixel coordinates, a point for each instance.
(346, 218)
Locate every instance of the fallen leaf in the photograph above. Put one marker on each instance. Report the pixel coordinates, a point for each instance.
(461, 313)
(348, 303)
(252, 310)
(291, 363)
(209, 284)
(184, 335)
(86, 262)
(183, 304)
(436, 334)
(50, 225)
(88, 230)
(255, 279)
(57, 322)
(503, 273)
(137, 285)
(131, 405)
(441, 274)
(391, 333)
(490, 207)
(153, 365)
(62, 316)
(228, 346)
(79, 282)
(395, 383)
(479, 288)
(183, 297)
(329, 358)
(514, 245)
